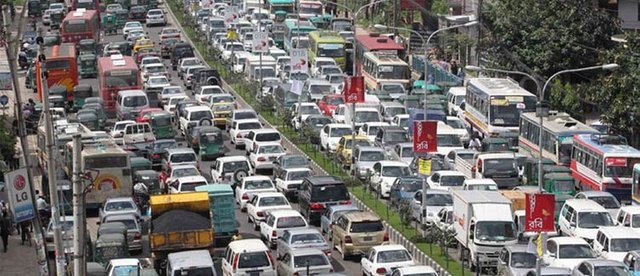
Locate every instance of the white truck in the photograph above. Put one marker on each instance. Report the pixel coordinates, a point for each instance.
(483, 222)
(501, 167)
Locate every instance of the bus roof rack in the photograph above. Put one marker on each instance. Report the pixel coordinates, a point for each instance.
(118, 60)
(79, 12)
(604, 139)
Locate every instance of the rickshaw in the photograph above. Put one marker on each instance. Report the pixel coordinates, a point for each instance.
(56, 18)
(221, 112)
(109, 24)
(122, 16)
(99, 109)
(87, 46)
(89, 119)
(151, 179)
(110, 246)
(143, 43)
(80, 93)
(210, 142)
(162, 125)
(87, 66)
(139, 164)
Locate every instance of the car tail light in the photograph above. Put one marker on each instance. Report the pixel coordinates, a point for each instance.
(238, 135)
(296, 274)
(347, 239)
(235, 262)
(155, 156)
(327, 252)
(245, 196)
(345, 202)
(262, 159)
(381, 270)
(386, 237)
(274, 233)
(137, 236)
(315, 206)
(260, 214)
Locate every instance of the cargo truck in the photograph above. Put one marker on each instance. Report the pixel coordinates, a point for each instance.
(179, 222)
(483, 223)
(500, 167)
(223, 213)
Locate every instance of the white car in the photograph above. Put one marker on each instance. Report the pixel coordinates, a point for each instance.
(154, 70)
(417, 270)
(445, 180)
(150, 60)
(170, 105)
(192, 115)
(382, 259)
(460, 128)
(46, 17)
(567, 252)
(302, 111)
(384, 173)
(328, 70)
(264, 154)
(319, 62)
(187, 77)
(59, 7)
(401, 121)
(156, 17)
(118, 129)
(278, 221)
(157, 81)
(187, 184)
(259, 136)
(605, 199)
(262, 203)
(170, 91)
(119, 206)
(288, 180)
(225, 167)
(186, 63)
(252, 185)
(338, 113)
(239, 128)
(370, 130)
(179, 171)
(231, 47)
(437, 200)
(130, 26)
(204, 91)
(116, 266)
(330, 135)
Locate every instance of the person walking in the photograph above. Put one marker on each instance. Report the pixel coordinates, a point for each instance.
(5, 230)
(25, 232)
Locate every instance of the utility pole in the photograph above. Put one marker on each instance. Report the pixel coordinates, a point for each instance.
(79, 267)
(51, 162)
(395, 20)
(41, 253)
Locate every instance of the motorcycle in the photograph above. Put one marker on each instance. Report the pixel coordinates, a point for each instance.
(23, 62)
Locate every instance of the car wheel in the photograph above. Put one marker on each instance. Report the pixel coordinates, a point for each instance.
(256, 226)
(248, 219)
(344, 255)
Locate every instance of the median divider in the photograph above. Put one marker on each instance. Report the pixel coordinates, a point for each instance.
(318, 161)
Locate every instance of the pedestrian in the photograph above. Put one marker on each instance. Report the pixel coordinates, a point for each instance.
(454, 67)
(475, 143)
(5, 230)
(25, 232)
(16, 157)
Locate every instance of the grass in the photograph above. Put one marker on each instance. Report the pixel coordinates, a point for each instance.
(392, 217)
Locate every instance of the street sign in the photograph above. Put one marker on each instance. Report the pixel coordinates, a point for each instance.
(299, 60)
(425, 136)
(4, 100)
(232, 35)
(260, 42)
(231, 14)
(424, 166)
(539, 212)
(296, 87)
(20, 195)
(354, 89)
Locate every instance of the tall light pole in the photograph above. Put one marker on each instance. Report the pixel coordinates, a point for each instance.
(426, 50)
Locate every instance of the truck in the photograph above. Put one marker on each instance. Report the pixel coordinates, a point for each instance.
(179, 222)
(483, 222)
(501, 167)
(221, 203)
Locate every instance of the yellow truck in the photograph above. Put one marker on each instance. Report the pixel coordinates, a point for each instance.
(179, 222)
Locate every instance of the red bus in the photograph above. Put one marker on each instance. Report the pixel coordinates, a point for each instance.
(116, 73)
(373, 42)
(80, 24)
(61, 66)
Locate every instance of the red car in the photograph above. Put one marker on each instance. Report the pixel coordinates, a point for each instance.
(330, 102)
(143, 116)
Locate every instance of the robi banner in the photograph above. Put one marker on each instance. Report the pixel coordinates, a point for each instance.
(354, 89)
(539, 213)
(425, 136)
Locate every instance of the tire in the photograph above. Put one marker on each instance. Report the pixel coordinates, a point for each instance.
(256, 226)
(248, 219)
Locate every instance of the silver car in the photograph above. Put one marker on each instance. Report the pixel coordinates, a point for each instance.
(515, 260)
(301, 238)
(119, 206)
(365, 158)
(300, 261)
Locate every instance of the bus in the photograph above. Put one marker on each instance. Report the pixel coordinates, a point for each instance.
(62, 134)
(280, 5)
(308, 9)
(80, 24)
(380, 67)
(327, 44)
(116, 73)
(557, 138)
(61, 66)
(604, 163)
(296, 34)
(373, 42)
(86, 4)
(493, 106)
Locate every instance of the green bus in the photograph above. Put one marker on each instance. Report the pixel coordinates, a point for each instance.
(327, 44)
(287, 6)
(295, 30)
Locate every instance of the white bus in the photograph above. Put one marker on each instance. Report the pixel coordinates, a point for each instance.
(379, 68)
(493, 106)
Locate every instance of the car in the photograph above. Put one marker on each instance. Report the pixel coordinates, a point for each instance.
(262, 203)
(150, 60)
(185, 63)
(46, 17)
(276, 222)
(241, 114)
(314, 89)
(239, 128)
(137, 13)
(319, 62)
(460, 128)
(416, 270)
(144, 116)
(251, 255)
(404, 188)
(370, 129)
(117, 131)
(170, 91)
(567, 252)
(389, 136)
(131, 26)
(605, 199)
(205, 90)
(437, 200)
(252, 185)
(178, 156)
(466, 154)
(446, 180)
(307, 260)
(600, 267)
(230, 168)
(264, 154)
(178, 171)
(288, 180)
(168, 32)
(134, 229)
(155, 70)
(189, 75)
(404, 151)
(133, 36)
(344, 148)
(193, 116)
(295, 239)
(318, 192)
(290, 161)
(330, 215)
(123, 266)
(338, 113)
(299, 112)
(257, 137)
(354, 233)
(331, 134)
(614, 242)
(111, 8)
(365, 158)
(515, 260)
(337, 82)
(172, 102)
(382, 259)
(384, 173)
(186, 184)
(155, 150)
(156, 17)
(119, 205)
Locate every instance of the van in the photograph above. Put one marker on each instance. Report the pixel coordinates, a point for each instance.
(178, 51)
(137, 133)
(354, 233)
(582, 217)
(455, 97)
(613, 242)
(129, 103)
(390, 109)
(193, 262)
(318, 192)
(629, 216)
(247, 257)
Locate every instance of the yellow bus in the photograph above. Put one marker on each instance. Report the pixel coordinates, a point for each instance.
(327, 44)
(380, 67)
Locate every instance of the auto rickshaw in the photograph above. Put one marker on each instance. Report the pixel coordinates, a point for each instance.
(87, 66)
(99, 109)
(58, 96)
(122, 16)
(56, 18)
(143, 43)
(151, 179)
(88, 118)
(210, 142)
(87, 46)
(34, 8)
(221, 112)
(51, 39)
(139, 164)
(80, 93)
(109, 24)
(559, 183)
(110, 246)
(162, 125)
(123, 46)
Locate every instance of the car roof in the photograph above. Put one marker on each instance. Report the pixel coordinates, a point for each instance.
(299, 231)
(341, 207)
(387, 247)
(197, 108)
(265, 130)
(119, 216)
(619, 232)
(193, 178)
(370, 148)
(176, 167)
(247, 245)
(232, 158)
(631, 209)
(118, 199)
(180, 150)
(124, 262)
(584, 205)
(298, 170)
(336, 125)
(190, 258)
(449, 173)
(269, 194)
(256, 177)
(569, 240)
(603, 262)
(323, 180)
(595, 194)
(385, 163)
(253, 120)
(306, 251)
(416, 269)
(285, 213)
(362, 216)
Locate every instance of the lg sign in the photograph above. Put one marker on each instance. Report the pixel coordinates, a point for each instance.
(19, 183)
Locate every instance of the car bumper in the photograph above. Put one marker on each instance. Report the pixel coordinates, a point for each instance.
(135, 245)
(156, 21)
(350, 249)
(263, 165)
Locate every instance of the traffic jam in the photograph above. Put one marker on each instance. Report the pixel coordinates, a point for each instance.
(188, 179)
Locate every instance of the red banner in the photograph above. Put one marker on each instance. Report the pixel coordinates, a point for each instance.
(539, 213)
(354, 89)
(425, 136)
(412, 4)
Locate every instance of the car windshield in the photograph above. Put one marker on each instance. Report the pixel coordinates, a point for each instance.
(340, 131)
(523, 260)
(268, 137)
(498, 165)
(164, 145)
(457, 124)
(624, 245)
(258, 184)
(575, 251)
(395, 171)
(367, 116)
(307, 238)
(295, 162)
(245, 115)
(182, 172)
(310, 260)
(211, 90)
(359, 142)
(129, 223)
(183, 157)
(313, 121)
(291, 222)
(329, 193)
(270, 149)
(611, 271)
(366, 226)
(407, 152)
(495, 231)
(410, 185)
(199, 115)
(158, 81)
(272, 201)
(336, 79)
(320, 89)
(124, 270)
(253, 260)
(134, 101)
(309, 110)
(393, 88)
(251, 125)
(371, 156)
(449, 140)
(335, 100)
(393, 256)
(608, 202)
(190, 62)
(155, 69)
(118, 206)
(397, 137)
(172, 90)
(439, 199)
(393, 111)
(592, 220)
(452, 180)
(235, 165)
(483, 187)
(300, 175)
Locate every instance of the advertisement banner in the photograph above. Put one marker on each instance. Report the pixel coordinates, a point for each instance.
(354, 89)
(299, 60)
(231, 14)
(6, 83)
(539, 213)
(20, 195)
(425, 136)
(260, 42)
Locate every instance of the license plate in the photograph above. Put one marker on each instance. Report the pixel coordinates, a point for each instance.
(367, 239)
(272, 158)
(254, 273)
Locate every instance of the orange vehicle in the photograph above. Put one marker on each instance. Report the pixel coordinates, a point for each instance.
(80, 24)
(116, 73)
(61, 66)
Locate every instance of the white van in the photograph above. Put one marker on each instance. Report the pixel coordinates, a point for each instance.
(582, 217)
(136, 133)
(455, 97)
(629, 216)
(614, 242)
(193, 262)
(129, 103)
(247, 255)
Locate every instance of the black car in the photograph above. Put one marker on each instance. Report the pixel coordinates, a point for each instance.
(290, 161)
(178, 51)
(138, 13)
(316, 123)
(181, 106)
(155, 150)
(318, 192)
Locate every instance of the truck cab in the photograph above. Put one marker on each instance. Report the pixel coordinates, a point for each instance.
(501, 167)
